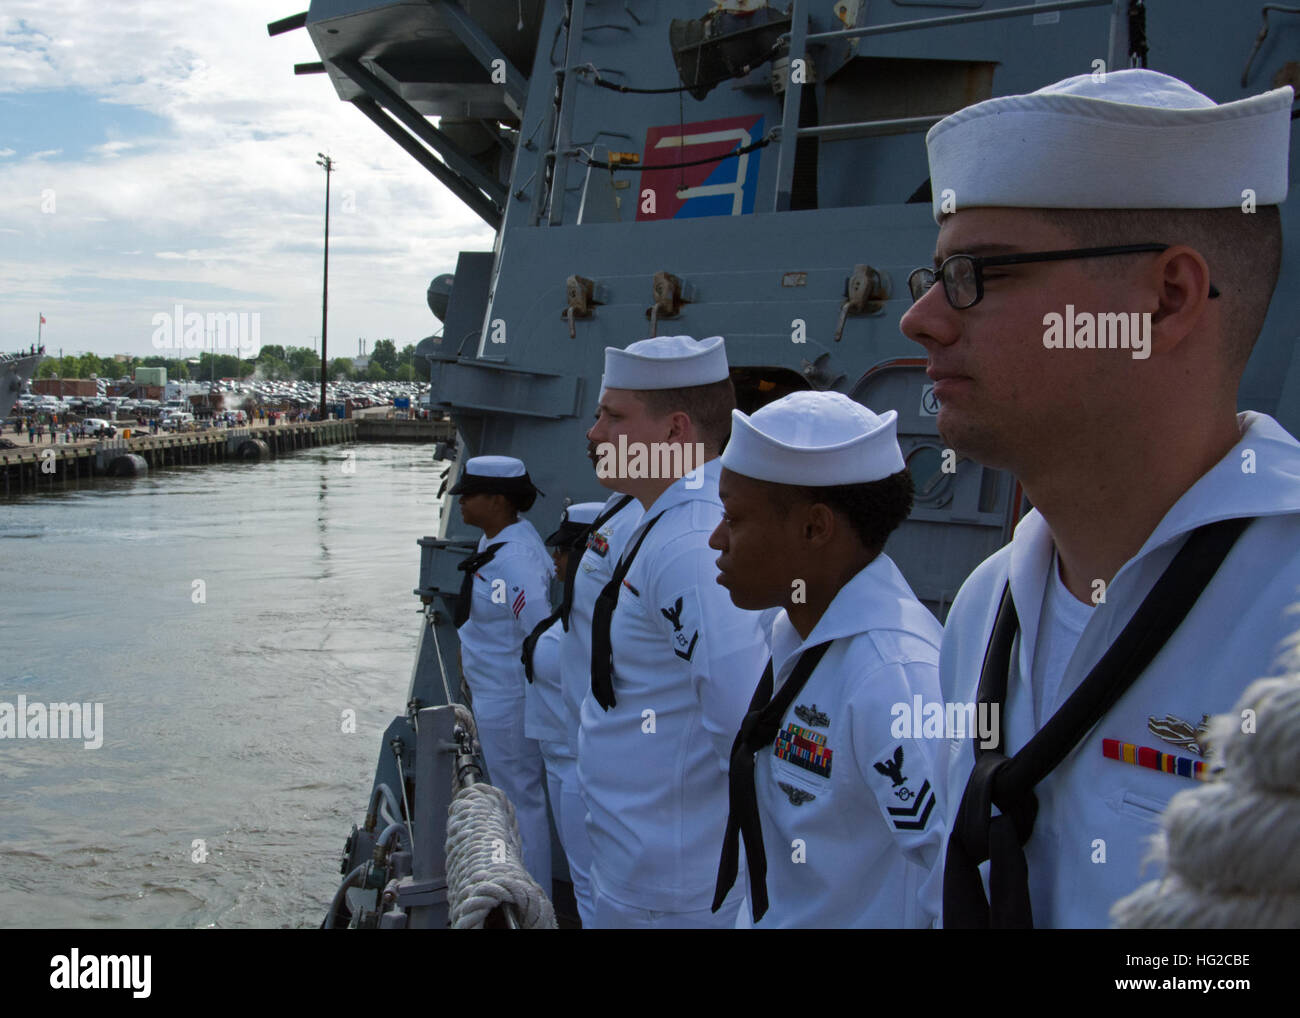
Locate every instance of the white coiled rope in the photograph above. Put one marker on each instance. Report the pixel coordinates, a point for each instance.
(485, 857)
(1229, 846)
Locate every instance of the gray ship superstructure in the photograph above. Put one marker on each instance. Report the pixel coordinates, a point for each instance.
(16, 371)
(740, 169)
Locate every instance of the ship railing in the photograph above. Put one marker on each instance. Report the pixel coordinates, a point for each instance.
(799, 39)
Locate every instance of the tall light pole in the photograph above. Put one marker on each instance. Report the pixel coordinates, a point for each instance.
(327, 163)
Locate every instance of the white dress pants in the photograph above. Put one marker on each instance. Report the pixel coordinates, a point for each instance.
(615, 915)
(570, 821)
(515, 766)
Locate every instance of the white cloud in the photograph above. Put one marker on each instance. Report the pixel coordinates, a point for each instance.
(208, 208)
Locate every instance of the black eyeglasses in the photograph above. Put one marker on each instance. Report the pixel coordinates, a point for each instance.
(963, 274)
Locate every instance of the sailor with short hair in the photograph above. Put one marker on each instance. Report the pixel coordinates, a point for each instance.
(840, 809)
(545, 718)
(503, 596)
(1149, 585)
(673, 660)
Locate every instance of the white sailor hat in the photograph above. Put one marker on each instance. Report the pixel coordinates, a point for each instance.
(665, 362)
(574, 523)
(497, 475)
(817, 439)
(1131, 139)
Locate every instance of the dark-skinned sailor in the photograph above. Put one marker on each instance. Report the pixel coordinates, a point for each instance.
(839, 807)
(544, 718)
(505, 594)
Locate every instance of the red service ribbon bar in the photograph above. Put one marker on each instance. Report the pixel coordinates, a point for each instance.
(1154, 759)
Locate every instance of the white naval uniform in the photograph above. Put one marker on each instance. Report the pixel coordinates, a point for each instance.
(653, 768)
(604, 548)
(594, 570)
(545, 722)
(544, 716)
(1095, 814)
(510, 597)
(853, 838)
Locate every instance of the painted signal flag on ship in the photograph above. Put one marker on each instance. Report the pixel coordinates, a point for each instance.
(724, 188)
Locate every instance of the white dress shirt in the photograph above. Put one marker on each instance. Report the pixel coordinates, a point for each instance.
(509, 597)
(852, 828)
(604, 547)
(1096, 814)
(686, 661)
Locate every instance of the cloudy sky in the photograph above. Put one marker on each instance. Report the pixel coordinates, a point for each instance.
(159, 153)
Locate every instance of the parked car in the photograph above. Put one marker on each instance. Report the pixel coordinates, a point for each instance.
(98, 427)
(180, 421)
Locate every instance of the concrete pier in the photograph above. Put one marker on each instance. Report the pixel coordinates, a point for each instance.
(40, 467)
(378, 429)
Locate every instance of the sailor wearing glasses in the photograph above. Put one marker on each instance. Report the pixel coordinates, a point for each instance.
(1149, 584)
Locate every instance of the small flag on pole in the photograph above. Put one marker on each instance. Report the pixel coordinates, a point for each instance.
(43, 322)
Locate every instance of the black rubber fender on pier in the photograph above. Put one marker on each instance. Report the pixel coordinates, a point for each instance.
(254, 450)
(129, 465)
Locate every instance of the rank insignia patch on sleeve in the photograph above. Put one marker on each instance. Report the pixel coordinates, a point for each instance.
(893, 769)
(684, 648)
(915, 816)
(797, 796)
(811, 716)
(804, 749)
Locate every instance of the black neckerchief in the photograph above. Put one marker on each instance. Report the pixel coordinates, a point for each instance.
(1008, 782)
(580, 547)
(757, 731)
(602, 651)
(469, 565)
(565, 608)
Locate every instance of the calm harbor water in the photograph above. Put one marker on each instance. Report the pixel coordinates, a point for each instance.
(225, 617)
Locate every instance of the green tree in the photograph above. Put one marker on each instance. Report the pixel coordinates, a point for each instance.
(303, 360)
(228, 366)
(385, 354)
(405, 373)
(341, 367)
(271, 352)
(376, 373)
(275, 369)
